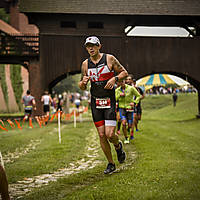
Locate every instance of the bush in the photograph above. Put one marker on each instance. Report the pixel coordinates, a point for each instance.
(16, 79)
(3, 84)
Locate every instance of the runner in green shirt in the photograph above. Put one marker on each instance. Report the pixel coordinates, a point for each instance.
(125, 96)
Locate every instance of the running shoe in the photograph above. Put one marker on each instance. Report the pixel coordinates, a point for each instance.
(121, 155)
(132, 137)
(110, 168)
(126, 141)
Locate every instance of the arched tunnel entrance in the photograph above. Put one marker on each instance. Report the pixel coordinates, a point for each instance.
(66, 87)
(168, 87)
(153, 84)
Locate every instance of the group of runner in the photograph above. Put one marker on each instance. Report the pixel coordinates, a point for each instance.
(129, 110)
(30, 103)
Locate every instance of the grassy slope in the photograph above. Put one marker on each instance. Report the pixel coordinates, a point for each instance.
(49, 155)
(167, 164)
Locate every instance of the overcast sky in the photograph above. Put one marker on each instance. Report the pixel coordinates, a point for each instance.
(158, 31)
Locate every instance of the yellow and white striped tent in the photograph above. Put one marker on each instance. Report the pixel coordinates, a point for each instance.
(155, 80)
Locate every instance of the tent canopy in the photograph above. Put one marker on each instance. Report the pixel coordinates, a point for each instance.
(155, 80)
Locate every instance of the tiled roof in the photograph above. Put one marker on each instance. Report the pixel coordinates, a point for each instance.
(113, 7)
(7, 28)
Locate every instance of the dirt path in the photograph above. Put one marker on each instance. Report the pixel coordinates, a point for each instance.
(10, 157)
(23, 187)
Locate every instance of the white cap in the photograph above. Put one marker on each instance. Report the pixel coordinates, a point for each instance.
(92, 40)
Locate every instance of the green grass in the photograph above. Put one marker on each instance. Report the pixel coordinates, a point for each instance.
(19, 114)
(166, 165)
(49, 154)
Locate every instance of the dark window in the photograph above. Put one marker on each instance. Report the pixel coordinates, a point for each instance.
(68, 24)
(95, 24)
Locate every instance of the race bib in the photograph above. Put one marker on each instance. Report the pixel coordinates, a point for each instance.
(129, 110)
(103, 103)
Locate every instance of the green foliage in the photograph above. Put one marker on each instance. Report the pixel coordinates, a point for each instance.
(4, 16)
(3, 84)
(68, 84)
(16, 79)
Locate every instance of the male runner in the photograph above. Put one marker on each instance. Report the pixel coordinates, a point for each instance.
(29, 104)
(99, 68)
(138, 107)
(46, 100)
(125, 96)
(129, 81)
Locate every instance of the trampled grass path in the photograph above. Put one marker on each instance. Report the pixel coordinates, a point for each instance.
(10, 157)
(25, 186)
(22, 187)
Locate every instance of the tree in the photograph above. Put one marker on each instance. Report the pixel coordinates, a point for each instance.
(68, 84)
(4, 16)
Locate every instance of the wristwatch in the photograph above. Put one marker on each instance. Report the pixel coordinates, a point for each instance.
(116, 78)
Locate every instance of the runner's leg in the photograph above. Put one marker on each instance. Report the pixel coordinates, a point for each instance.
(136, 121)
(104, 143)
(124, 128)
(122, 113)
(118, 122)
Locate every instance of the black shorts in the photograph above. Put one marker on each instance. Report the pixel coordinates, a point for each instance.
(28, 112)
(46, 108)
(125, 115)
(105, 116)
(138, 110)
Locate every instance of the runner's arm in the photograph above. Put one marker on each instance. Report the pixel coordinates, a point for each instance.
(115, 65)
(142, 94)
(121, 71)
(34, 104)
(137, 95)
(50, 99)
(84, 78)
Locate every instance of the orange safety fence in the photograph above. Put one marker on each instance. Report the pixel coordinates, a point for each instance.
(3, 128)
(77, 114)
(23, 121)
(2, 122)
(86, 109)
(30, 122)
(52, 117)
(38, 121)
(41, 120)
(68, 116)
(18, 124)
(11, 123)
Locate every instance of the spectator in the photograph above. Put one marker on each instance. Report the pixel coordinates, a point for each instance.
(3, 184)
(174, 97)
